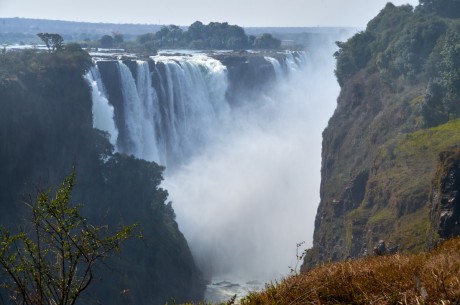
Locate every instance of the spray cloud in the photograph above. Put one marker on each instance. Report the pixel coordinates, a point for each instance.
(252, 194)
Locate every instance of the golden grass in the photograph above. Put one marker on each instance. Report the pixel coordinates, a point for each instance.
(426, 278)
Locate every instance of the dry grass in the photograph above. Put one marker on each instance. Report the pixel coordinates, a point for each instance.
(427, 278)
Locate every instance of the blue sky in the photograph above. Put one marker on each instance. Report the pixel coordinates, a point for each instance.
(353, 13)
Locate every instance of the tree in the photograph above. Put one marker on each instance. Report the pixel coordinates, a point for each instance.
(117, 38)
(267, 41)
(106, 41)
(147, 41)
(54, 42)
(51, 260)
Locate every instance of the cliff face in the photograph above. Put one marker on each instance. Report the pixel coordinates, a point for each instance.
(46, 128)
(445, 197)
(381, 147)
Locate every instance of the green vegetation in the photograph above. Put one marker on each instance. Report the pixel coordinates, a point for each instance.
(51, 260)
(397, 112)
(54, 42)
(409, 46)
(425, 278)
(214, 36)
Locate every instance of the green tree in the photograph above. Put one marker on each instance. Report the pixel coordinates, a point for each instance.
(352, 55)
(106, 41)
(117, 38)
(51, 260)
(146, 42)
(54, 42)
(267, 41)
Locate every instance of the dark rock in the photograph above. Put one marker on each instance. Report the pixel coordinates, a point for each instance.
(445, 197)
(249, 75)
(380, 248)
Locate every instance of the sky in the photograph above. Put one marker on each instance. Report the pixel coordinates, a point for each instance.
(246, 13)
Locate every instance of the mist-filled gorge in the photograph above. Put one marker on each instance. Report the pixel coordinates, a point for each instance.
(251, 195)
(215, 155)
(214, 163)
(240, 135)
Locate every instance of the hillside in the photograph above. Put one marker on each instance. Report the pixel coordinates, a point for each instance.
(390, 151)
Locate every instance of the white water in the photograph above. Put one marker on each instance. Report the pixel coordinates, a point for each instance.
(138, 118)
(277, 67)
(103, 117)
(251, 195)
(196, 104)
(245, 186)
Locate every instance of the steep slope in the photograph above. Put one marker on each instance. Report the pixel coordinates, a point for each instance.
(399, 79)
(45, 129)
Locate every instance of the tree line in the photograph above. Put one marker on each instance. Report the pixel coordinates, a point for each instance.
(215, 35)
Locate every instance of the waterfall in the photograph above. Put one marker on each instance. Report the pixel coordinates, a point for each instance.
(292, 61)
(103, 115)
(276, 66)
(167, 106)
(149, 116)
(227, 162)
(250, 196)
(138, 117)
(194, 90)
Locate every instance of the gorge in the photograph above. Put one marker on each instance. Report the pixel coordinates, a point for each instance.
(230, 128)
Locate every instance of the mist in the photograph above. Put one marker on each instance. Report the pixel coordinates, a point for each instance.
(252, 194)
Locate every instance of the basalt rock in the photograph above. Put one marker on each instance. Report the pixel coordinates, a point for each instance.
(445, 197)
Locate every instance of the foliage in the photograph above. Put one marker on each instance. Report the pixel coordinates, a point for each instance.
(266, 41)
(426, 278)
(147, 41)
(51, 261)
(106, 41)
(54, 42)
(117, 37)
(445, 8)
(443, 92)
(352, 55)
(410, 46)
(214, 35)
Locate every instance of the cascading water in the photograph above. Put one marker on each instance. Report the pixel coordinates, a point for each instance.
(170, 107)
(276, 66)
(241, 177)
(193, 93)
(251, 195)
(139, 113)
(102, 110)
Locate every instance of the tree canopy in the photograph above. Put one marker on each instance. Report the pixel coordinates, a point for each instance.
(54, 42)
(411, 45)
(214, 35)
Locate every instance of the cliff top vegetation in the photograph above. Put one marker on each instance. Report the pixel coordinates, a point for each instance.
(425, 278)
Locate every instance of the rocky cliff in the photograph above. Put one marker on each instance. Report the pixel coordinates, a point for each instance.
(389, 171)
(46, 128)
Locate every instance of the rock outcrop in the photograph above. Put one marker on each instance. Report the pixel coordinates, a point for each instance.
(445, 197)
